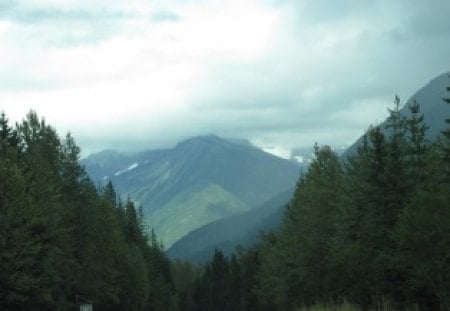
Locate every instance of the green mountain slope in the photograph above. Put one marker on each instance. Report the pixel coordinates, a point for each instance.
(192, 209)
(241, 229)
(205, 178)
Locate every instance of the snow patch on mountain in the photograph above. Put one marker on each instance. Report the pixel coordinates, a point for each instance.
(278, 151)
(299, 159)
(131, 167)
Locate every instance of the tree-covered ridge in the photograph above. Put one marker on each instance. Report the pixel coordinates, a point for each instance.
(63, 241)
(372, 230)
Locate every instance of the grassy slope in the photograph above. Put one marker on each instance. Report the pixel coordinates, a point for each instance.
(192, 209)
(241, 229)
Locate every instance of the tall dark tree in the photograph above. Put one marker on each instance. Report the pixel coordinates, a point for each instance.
(250, 264)
(234, 285)
(418, 145)
(8, 135)
(423, 231)
(295, 265)
(446, 142)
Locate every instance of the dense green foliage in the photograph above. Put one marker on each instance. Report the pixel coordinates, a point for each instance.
(63, 241)
(369, 231)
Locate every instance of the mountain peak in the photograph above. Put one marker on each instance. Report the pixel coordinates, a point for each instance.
(209, 139)
(204, 142)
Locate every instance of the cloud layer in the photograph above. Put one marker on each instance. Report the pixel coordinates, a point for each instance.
(140, 74)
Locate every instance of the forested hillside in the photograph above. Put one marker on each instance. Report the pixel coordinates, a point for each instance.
(64, 241)
(371, 232)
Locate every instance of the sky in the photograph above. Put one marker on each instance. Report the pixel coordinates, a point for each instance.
(141, 74)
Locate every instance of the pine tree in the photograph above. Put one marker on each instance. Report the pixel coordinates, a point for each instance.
(234, 285)
(250, 264)
(8, 136)
(16, 280)
(295, 268)
(270, 283)
(418, 145)
(132, 230)
(422, 234)
(109, 194)
(446, 142)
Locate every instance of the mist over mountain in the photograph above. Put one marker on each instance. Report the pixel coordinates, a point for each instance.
(200, 180)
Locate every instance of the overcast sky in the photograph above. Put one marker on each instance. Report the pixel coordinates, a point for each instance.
(141, 74)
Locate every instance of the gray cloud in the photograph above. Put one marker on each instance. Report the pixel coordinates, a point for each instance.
(39, 15)
(329, 94)
(56, 27)
(330, 70)
(78, 25)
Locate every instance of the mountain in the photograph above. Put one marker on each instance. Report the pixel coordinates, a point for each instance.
(434, 109)
(243, 229)
(200, 180)
(225, 234)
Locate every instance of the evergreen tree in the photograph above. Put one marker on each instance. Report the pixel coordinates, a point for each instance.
(423, 234)
(423, 239)
(271, 274)
(8, 136)
(17, 281)
(132, 231)
(446, 142)
(186, 278)
(234, 285)
(249, 268)
(309, 226)
(295, 266)
(418, 145)
(219, 281)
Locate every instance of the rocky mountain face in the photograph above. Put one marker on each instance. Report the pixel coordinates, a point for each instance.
(200, 180)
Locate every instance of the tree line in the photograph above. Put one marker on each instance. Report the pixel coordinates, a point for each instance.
(64, 241)
(372, 230)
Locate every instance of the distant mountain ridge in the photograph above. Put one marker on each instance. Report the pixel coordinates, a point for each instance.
(200, 180)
